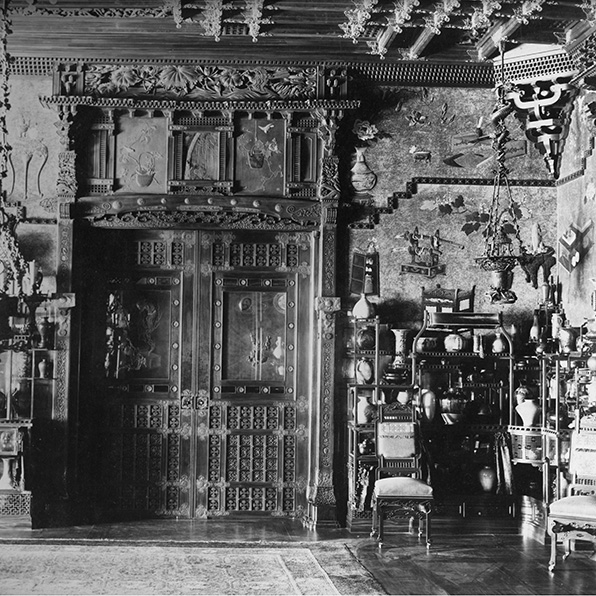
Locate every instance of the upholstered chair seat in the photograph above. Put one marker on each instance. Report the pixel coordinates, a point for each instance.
(578, 507)
(402, 487)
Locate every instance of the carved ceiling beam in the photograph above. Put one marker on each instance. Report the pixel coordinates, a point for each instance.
(401, 14)
(434, 23)
(358, 18)
(505, 28)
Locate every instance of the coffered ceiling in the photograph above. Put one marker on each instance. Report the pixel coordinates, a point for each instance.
(451, 31)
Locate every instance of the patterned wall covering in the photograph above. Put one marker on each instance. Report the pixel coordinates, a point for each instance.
(434, 164)
(576, 214)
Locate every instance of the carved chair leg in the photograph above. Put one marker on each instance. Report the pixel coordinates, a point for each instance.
(380, 518)
(427, 525)
(567, 548)
(553, 545)
(374, 529)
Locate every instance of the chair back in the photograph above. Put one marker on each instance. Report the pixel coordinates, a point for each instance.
(447, 300)
(581, 461)
(397, 441)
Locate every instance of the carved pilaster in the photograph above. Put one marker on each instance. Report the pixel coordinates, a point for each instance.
(321, 495)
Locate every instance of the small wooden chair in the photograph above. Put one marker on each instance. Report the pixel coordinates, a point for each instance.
(399, 490)
(574, 517)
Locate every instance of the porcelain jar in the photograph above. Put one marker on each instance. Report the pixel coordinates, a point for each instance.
(454, 342)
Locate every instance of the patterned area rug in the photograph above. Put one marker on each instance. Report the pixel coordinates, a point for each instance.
(115, 569)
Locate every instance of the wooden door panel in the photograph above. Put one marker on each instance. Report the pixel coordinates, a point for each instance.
(256, 426)
(207, 374)
(147, 433)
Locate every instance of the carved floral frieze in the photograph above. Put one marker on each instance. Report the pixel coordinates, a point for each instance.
(200, 82)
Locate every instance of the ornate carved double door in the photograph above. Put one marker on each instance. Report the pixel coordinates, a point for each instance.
(207, 374)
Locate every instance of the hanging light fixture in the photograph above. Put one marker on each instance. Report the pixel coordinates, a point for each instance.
(503, 247)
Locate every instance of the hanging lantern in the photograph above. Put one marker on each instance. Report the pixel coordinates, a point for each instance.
(503, 247)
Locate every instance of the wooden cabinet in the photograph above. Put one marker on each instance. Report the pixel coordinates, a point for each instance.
(29, 365)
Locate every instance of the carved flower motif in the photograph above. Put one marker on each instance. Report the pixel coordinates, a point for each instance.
(232, 78)
(178, 77)
(208, 77)
(364, 130)
(125, 77)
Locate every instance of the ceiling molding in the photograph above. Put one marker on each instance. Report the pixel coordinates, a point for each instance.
(414, 73)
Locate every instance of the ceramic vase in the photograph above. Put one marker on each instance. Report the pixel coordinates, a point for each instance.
(43, 328)
(365, 338)
(535, 330)
(529, 412)
(556, 322)
(499, 345)
(44, 369)
(428, 401)
(363, 309)
(364, 371)
(362, 177)
(362, 411)
(488, 479)
(401, 336)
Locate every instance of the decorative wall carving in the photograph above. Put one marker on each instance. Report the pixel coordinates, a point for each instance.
(195, 82)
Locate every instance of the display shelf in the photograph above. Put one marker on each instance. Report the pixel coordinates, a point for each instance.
(377, 377)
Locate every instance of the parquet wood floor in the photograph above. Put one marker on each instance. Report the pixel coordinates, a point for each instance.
(467, 557)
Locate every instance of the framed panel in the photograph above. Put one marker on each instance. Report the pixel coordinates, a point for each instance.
(199, 157)
(255, 336)
(260, 159)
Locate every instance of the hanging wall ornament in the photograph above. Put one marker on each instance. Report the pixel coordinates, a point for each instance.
(542, 91)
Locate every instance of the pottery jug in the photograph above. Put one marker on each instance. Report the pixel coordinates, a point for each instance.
(362, 177)
(363, 309)
(488, 478)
